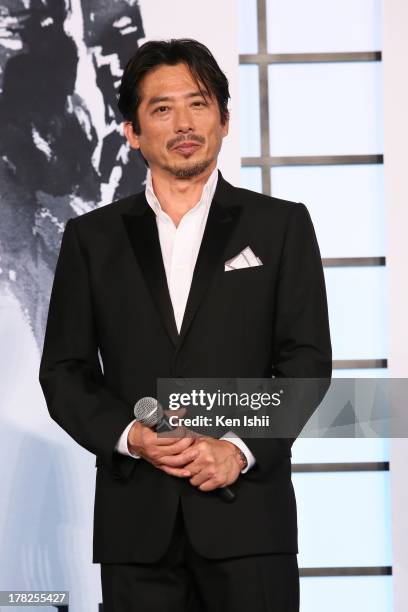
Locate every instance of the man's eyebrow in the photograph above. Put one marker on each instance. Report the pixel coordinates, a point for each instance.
(192, 94)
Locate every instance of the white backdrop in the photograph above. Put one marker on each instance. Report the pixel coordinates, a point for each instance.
(395, 168)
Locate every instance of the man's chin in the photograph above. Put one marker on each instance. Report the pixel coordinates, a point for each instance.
(188, 170)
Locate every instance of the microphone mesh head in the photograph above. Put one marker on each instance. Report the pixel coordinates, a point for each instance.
(148, 411)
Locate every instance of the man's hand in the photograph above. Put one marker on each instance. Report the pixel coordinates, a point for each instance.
(170, 454)
(218, 464)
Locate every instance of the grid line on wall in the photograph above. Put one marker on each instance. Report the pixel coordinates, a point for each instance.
(314, 572)
(309, 58)
(351, 364)
(310, 160)
(349, 466)
(354, 262)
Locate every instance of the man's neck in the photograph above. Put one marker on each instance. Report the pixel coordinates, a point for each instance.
(178, 196)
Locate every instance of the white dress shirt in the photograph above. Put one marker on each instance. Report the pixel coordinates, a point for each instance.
(179, 247)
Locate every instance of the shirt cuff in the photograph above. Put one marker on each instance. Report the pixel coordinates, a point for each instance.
(230, 436)
(122, 445)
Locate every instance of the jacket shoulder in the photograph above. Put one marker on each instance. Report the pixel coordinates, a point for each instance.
(260, 203)
(107, 213)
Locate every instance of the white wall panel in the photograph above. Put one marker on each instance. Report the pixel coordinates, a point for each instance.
(326, 109)
(357, 299)
(247, 26)
(249, 118)
(343, 518)
(346, 594)
(251, 178)
(339, 450)
(346, 204)
(296, 26)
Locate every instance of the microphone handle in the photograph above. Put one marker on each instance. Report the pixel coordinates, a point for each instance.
(223, 493)
(226, 494)
(163, 426)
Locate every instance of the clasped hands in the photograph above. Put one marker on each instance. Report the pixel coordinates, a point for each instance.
(209, 463)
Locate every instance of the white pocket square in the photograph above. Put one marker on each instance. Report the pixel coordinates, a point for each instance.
(244, 259)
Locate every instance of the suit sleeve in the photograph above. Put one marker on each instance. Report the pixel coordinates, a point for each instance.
(70, 372)
(301, 340)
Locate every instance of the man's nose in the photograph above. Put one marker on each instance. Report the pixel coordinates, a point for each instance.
(183, 121)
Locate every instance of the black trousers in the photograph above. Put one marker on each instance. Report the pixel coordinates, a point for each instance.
(183, 581)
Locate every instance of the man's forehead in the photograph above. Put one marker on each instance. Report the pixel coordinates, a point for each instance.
(161, 79)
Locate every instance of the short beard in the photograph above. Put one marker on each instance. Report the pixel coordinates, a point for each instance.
(189, 171)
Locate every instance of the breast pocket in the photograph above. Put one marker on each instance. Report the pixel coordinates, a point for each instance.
(243, 280)
(251, 271)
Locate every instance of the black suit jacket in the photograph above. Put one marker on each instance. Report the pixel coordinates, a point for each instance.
(110, 293)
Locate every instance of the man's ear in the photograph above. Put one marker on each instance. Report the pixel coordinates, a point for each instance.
(225, 126)
(130, 134)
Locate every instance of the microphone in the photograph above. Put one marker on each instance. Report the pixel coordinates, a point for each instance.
(149, 412)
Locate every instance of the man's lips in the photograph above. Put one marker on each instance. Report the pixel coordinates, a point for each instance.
(187, 147)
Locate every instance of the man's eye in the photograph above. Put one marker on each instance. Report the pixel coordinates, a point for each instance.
(161, 109)
(198, 103)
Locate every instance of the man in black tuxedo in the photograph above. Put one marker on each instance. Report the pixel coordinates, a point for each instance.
(190, 278)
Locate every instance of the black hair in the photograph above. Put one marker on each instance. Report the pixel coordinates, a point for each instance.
(153, 53)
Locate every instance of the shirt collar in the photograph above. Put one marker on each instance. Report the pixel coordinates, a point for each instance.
(206, 196)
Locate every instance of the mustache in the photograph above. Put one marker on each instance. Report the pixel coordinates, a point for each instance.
(175, 141)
